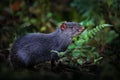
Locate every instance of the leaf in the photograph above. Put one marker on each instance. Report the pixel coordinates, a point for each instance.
(33, 21)
(80, 61)
(43, 28)
(107, 25)
(72, 46)
(96, 60)
(76, 53)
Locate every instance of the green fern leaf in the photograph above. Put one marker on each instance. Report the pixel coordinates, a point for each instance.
(88, 34)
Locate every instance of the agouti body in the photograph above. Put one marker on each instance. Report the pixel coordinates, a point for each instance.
(35, 48)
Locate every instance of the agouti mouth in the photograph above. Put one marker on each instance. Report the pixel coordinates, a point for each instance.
(79, 31)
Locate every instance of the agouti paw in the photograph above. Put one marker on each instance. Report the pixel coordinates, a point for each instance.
(55, 57)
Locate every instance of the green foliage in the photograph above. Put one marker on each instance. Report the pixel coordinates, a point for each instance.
(88, 34)
(82, 52)
(99, 11)
(96, 12)
(94, 45)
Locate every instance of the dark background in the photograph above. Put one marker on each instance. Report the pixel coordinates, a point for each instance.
(19, 17)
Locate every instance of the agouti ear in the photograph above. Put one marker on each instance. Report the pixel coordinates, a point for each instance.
(63, 26)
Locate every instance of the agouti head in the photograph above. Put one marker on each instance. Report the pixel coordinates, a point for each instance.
(71, 29)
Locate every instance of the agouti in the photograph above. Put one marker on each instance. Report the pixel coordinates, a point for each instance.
(35, 48)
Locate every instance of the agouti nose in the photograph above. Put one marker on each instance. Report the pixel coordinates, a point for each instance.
(82, 27)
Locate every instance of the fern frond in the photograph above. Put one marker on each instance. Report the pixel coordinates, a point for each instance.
(88, 34)
(91, 33)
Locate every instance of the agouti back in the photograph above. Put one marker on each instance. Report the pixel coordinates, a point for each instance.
(35, 48)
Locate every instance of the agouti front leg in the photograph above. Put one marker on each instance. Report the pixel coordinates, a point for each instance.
(54, 59)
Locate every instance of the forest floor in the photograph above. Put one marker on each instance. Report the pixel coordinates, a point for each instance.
(44, 72)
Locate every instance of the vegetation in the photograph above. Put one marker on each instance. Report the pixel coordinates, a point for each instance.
(93, 55)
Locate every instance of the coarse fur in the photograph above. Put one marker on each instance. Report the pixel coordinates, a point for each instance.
(35, 48)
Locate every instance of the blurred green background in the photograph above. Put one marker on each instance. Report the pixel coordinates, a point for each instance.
(99, 57)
